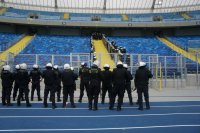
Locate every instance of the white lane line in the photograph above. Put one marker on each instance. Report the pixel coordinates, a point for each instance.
(101, 116)
(97, 129)
(83, 108)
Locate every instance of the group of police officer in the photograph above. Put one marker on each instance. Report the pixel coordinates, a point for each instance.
(114, 82)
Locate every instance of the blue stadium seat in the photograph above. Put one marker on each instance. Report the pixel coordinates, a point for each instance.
(46, 46)
(7, 40)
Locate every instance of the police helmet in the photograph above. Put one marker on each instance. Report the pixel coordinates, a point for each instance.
(6, 68)
(35, 66)
(119, 63)
(125, 65)
(23, 66)
(106, 66)
(83, 63)
(96, 62)
(48, 65)
(67, 66)
(55, 66)
(142, 64)
(17, 67)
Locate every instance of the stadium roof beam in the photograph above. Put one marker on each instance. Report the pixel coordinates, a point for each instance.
(153, 5)
(104, 6)
(56, 4)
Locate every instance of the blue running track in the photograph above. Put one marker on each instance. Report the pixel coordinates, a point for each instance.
(164, 117)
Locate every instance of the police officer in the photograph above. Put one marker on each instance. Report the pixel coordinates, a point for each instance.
(35, 76)
(128, 84)
(16, 85)
(74, 84)
(68, 78)
(106, 77)
(119, 79)
(7, 81)
(141, 83)
(49, 76)
(24, 80)
(57, 82)
(84, 80)
(94, 88)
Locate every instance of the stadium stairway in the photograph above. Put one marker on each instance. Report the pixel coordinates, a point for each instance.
(105, 56)
(66, 16)
(185, 16)
(178, 49)
(125, 17)
(16, 48)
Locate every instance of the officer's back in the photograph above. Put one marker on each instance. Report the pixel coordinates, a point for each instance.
(84, 74)
(68, 77)
(23, 77)
(142, 76)
(7, 78)
(35, 75)
(106, 76)
(119, 74)
(49, 76)
(95, 73)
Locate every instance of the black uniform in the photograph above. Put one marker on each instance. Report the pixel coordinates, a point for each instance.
(49, 81)
(16, 85)
(128, 87)
(119, 79)
(58, 84)
(106, 77)
(7, 81)
(35, 76)
(141, 83)
(68, 78)
(24, 80)
(94, 88)
(84, 81)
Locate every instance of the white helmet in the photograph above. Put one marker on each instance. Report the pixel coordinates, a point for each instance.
(83, 63)
(6, 68)
(125, 65)
(23, 66)
(35, 66)
(17, 67)
(142, 64)
(55, 66)
(48, 65)
(106, 65)
(72, 68)
(96, 62)
(67, 66)
(119, 63)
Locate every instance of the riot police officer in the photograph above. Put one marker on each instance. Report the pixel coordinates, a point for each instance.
(16, 84)
(119, 79)
(49, 81)
(35, 76)
(24, 80)
(84, 80)
(106, 77)
(141, 83)
(7, 81)
(94, 88)
(128, 84)
(57, 82)
(68, 78)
